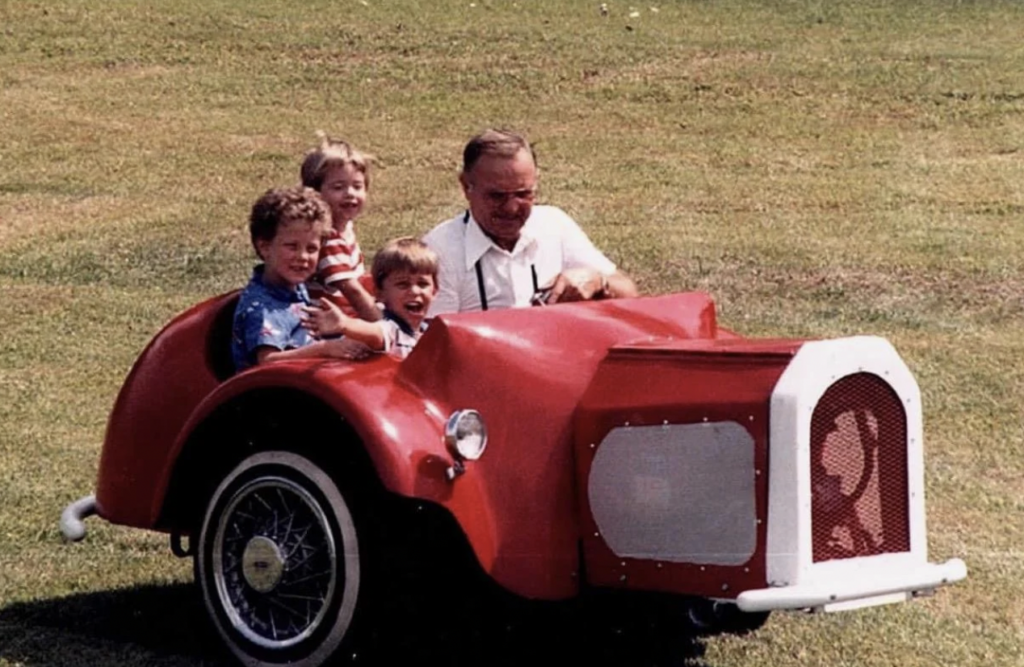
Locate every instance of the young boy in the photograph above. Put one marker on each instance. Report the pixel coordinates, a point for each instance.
(341, 174)
(286, 227)
(405, 277)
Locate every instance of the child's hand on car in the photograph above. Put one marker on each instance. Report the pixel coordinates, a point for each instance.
(324, 319)
(346, 348)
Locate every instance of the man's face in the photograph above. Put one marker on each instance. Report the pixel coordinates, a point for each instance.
(500, 191)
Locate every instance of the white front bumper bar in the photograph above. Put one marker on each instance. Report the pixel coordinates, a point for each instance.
(868, 588)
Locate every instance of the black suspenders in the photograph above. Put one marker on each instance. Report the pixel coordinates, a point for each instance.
(480, 286)
(480, 274)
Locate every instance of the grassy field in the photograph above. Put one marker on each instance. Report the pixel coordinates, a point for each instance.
(821, 168)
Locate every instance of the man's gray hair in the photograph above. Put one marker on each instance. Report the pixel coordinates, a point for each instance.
(502, 143)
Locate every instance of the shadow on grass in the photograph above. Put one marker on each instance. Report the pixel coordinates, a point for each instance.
(146, 625)
(602, 630)
(167, 625)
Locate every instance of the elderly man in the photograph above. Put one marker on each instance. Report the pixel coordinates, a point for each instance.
(504, 251)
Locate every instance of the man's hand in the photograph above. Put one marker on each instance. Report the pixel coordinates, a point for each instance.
(325, 319)
(575, 285)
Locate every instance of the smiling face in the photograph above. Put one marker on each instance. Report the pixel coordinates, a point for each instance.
(500, 191)
(344, 190)
(290, 257)
(408, 295)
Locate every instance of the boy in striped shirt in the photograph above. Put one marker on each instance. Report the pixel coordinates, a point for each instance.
(341, 174)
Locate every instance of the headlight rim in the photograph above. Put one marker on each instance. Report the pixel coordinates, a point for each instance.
(456, 444)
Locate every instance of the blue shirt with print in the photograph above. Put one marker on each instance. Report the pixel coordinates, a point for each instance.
(267, 315)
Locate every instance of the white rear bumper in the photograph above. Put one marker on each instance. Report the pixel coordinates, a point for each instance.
(854, 592)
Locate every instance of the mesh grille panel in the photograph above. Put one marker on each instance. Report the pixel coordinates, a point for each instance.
(859, 504)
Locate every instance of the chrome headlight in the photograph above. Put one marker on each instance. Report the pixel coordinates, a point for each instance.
(466, 435)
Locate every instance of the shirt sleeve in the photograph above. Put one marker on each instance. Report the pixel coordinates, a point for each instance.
(390, 331)
(267, 328)
(447, 298)
(578, 251)
(256, 326)
(340, 258)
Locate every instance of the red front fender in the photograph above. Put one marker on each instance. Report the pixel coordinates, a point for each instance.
(402, 433)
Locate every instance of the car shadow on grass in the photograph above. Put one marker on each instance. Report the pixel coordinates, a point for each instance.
(161, 626)
(144, 625)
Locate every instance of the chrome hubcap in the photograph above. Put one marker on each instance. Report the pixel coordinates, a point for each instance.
(262, 564)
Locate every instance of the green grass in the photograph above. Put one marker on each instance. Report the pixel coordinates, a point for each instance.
(821, 168)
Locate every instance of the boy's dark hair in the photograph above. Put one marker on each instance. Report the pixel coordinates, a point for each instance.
(404, 254)
(503, 143)
(280, 205)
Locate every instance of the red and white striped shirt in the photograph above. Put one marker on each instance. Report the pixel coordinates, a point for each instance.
(340, 258)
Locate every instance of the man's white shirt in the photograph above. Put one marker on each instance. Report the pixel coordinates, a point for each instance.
(549, 243)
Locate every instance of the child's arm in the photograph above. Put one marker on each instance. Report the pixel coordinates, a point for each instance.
(360, 299)
(338, 348)
(329, 320)
(370, 334)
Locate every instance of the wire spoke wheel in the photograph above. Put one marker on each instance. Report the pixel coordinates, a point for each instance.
(278, 562)
(273, 562)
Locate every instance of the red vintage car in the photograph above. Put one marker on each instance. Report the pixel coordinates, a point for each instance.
(628, 444)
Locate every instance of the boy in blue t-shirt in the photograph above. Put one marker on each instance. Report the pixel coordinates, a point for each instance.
(287, 227)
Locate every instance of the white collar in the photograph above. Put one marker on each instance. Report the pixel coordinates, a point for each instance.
(478, 243)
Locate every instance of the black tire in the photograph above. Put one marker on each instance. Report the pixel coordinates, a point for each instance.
(278, 563)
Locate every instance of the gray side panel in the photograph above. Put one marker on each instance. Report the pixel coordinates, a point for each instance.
(681, 493)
